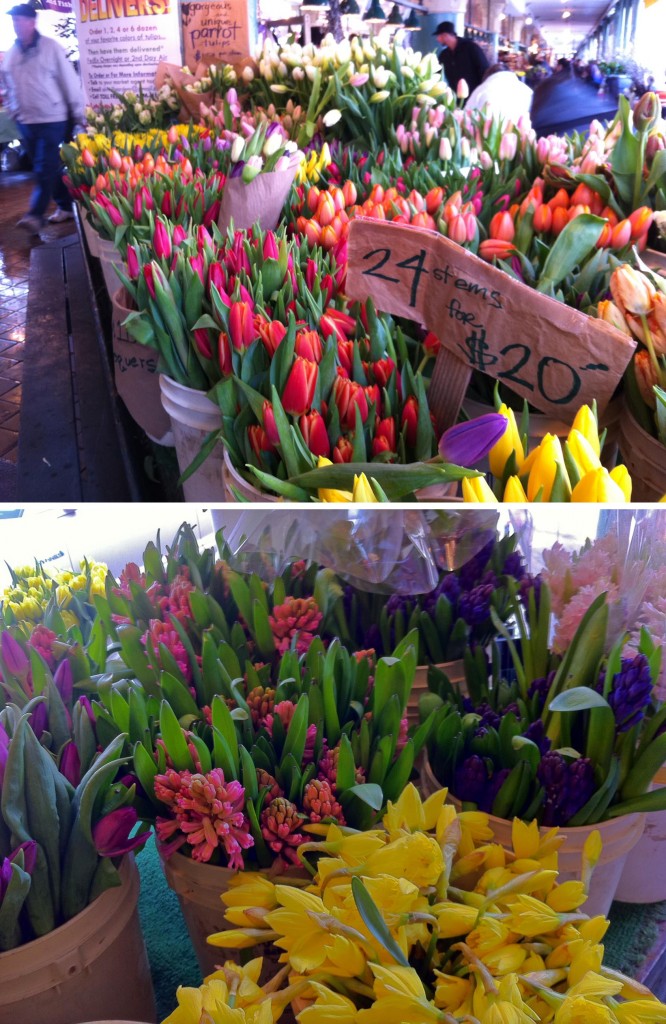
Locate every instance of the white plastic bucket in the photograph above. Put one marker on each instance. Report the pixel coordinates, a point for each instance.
(233, 479)
(98, 959)
(109, 258)
(618, 836)
(136, 376)
(193, 416)
(643, 877)
(91, 236)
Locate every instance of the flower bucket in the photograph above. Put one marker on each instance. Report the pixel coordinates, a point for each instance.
(193, 416)
(644, 457)
(455, 670)
(618, 835)
(233, 479)
(199, 888)
(540, 425)
(655, 260)
(136, 376)
(91, 236)
(109, 258)
(643, 879)
(96, 959)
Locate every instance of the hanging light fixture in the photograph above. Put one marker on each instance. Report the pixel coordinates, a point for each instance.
(349, 7)
(374, 14)
(413, 23)
(529, 20)
(395, 18)
(566, 14)
(315, 5)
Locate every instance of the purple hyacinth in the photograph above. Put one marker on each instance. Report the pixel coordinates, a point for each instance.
(527, 584)
(474, 606)
(471, 779)
(492, 789)
(553, 774)
(537, 733)
(631, 692)
(471, 570)
(449, 586)
(489, 718)
(541, 687)
(514, 565)
(581, 788)
(399, 603)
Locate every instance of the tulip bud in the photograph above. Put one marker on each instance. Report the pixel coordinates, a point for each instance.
(462, 89)
(111, 834)
(631, 290)
(475, 489)
(585, 423)
(300, 387)
(514, 492)
(502, 227)
(409, 419)
(466, 444)
(14, 658)
(315, 435)
(646, 377)
(598, 486)
(507, 444)
(542, 466)
(647, 112)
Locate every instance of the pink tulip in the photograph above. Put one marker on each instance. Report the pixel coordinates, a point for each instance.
(111, 835)
(161, 240)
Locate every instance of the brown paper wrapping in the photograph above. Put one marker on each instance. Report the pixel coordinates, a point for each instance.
(259, 201)
(136, 375)
(189, 101)
(556, 357)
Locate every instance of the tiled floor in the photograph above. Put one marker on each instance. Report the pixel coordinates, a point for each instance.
(15, 249)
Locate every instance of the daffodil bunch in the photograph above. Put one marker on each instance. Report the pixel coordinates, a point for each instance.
(235, 989)
(60, 600)
(638, 308)
(428, 919)
(551, 471)
(572, 739)
(265, 751)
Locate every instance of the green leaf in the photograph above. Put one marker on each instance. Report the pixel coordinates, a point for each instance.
(369, 793)
(375, 923)
(578, 698)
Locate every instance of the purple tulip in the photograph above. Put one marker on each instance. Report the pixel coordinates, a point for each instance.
(70, 763)
(85, 703)
(15, 658)
(111, 835)
(237, 169)
(29, 848)
(467, 443)
(39, 719)
(64, 681)
(5, 877)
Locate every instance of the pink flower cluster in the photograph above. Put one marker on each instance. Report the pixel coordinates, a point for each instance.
(207, 813)
(297, 617)
(164, 633)
(42, 639)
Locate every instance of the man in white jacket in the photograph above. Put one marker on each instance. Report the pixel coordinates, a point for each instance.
(46, 99)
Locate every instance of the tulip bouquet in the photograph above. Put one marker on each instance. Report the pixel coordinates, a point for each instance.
(134, 112)
(551, 471)
(60, 840)
(424, 919)
(638, 307)
(572, 740)
(453, 616)
(60, 601)
(319, 735)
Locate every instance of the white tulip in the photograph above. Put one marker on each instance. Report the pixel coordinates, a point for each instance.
(331, 117)
(380, 77)
(247, 74)
(237, 149)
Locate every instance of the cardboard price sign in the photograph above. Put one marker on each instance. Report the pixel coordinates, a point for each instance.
(554, 356)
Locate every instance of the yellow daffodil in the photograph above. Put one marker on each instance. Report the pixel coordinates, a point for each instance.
(452, 993)
(416, 856)
(229, 996)
(476, 489)
(509, 442)
(567, 897)
(640, 1011)
(248, 898)
(312, 937)
(329, 1008)
(410, 813)
(585, 422)
(529, 842)
(454, 919)
(578, 1010)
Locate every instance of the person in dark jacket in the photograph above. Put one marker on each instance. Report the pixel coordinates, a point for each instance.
(461, 58)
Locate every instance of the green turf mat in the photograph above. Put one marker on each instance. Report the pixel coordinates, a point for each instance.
(633, 931)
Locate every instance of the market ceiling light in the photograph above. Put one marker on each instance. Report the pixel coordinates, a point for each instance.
(350, 7)
(566, 14)
(529, 20)
(412, 22)
(374, 14)
(315, 5)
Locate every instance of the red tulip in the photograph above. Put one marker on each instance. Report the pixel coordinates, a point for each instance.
(259, 440)
(343, 450)
(314, 433)
(179, 235)
(409, 419)
(148, 277)
(202, 341)
(132, 263)
(300, 387)
(385, 435)
(271, 333)
(241, 327)
(224, 353)
(308, 345)
(382, 370)
(197, 265)
(270, 250)
(166, 206)
(269, 423)
(348, 395)
(70, 763)
(334, 321)
(502, 227)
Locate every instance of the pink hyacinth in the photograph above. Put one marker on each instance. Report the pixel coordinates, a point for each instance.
(164, 633)
(207, 811)
(176, 601)
(297, 618)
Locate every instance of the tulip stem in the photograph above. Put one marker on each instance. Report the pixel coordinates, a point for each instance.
(638, 174)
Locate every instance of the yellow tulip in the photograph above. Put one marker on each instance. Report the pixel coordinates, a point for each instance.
(542, 465)
(330, 494)
(514, 492)
(582, 452)
(598, 487)
(362, 490)
(475, 489)
(509, 442)
(586, 422)
(620, 475)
